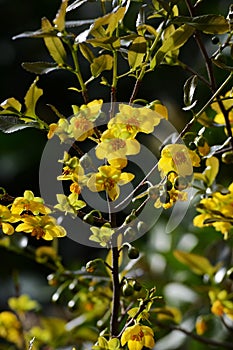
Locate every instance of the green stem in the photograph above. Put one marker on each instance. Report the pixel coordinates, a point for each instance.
(114, 83)
(77, 71)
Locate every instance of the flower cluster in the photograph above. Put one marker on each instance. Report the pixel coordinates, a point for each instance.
(30, 215)
(217, 211)
(221, 303)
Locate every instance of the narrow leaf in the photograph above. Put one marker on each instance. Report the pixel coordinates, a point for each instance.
(53, 44)
(111, 20)
(209, 24)
(40, 67)
(174, 42)
(100, 64)
(31, 99)
(75, 5)
(189, 90)
(59, 20)
(137, 52)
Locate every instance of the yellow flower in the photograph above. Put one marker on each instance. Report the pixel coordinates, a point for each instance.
(10, 328)
(221, 303)
(218, 210)
(70, 204)
(22, 303)
(41, 227)
(177, 158)
(5, 218)
(137, 337)
(101, 235)
(112, 147)
(201, 325)
(227, 102)
(29, 203)
(82, 124)
(109, 179)
(130, 121)
(60, 129)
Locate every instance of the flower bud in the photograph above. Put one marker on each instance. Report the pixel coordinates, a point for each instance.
(91, 266)
(129, 234)
(180, 183)
(154, 192)
(141, 227)
(136, 286)
(127, 290)
(227, 157)
(88, 218)
(133, 253)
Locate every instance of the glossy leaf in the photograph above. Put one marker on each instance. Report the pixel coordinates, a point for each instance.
(209, 24)
(10, 124)
(75, 5)
(31, 98)
(53, 44)
(189, 90)
(40, 67)
(59, 20)
(137, 52)
(174, 42)
(100, 64)
(197, 263)
(131, 14)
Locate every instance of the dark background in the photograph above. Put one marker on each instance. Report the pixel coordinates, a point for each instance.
(20, 152)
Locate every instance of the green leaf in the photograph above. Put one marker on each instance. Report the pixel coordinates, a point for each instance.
(31, 99)
(53, 44)
(40, 67)
(197, 263)
(209, 24)
(9, 124)
(86, 52)
(174, 42)
(111, 20)
(100, 64)
(137, 52)
(59, 20)
(132, 11)
(107, 43)
(11, 105)
(189, 90)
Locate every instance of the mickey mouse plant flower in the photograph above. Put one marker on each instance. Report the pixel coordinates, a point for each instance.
(109, 179)
(6, 218)
(130, 121)
(29, 203)
(138, 336)
(44, 227)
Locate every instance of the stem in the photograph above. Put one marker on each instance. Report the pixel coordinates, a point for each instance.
(114, 325)
(197, 337)
(77, 71)
(114, 84)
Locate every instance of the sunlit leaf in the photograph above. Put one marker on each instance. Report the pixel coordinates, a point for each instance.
(111, 20)
(197, 263)
(108, 43)
(53, 44)
(11, 105)
(59, 20)
(40, 67)
(101, 63)
(175, 41)
(86, 52)
(209, 24)
(137, 52)
(31, 98)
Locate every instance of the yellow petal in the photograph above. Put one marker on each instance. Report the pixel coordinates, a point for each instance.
(7, 228)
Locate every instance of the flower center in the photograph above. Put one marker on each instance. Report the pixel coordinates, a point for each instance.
(83, 124)
(138, 337)
(117, 144)
(38, 232)
(179, 158)
(132, 123)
